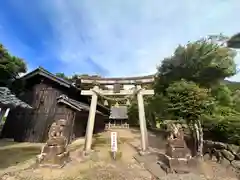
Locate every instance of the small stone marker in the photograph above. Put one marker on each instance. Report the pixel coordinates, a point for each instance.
(114, 144)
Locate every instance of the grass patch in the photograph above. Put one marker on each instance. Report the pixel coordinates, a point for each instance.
(103, 141)
(4, 143)
(100, 142)
(118, 155)
(15, 155)
(76, 144)
(123, 140)
(74, 147)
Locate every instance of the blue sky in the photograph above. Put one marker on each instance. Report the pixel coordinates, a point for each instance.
(110, 37)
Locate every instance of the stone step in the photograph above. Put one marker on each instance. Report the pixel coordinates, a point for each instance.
(150, 164)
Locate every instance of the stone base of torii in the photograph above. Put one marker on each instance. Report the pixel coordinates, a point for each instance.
(91, 118)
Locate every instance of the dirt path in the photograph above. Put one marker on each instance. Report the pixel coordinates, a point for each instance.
(102, 167)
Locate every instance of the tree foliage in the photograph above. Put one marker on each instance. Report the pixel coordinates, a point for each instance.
(191, 85)
(76, 78)
(63, 76)
(203, 62)
(234, 41)
(186, 100)
(10, 67)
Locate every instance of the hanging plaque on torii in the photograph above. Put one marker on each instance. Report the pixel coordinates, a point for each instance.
(116, 88)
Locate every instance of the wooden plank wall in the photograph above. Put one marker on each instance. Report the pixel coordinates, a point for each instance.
(16, 123)
(80, 124)
(64, 112)
(33, 125)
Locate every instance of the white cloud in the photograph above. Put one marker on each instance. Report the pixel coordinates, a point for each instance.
(129, 38)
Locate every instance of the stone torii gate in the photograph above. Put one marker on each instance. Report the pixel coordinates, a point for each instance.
(95, 91)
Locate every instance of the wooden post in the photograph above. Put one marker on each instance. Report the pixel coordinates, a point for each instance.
(91, 121)
(142, 120)
(2, 113)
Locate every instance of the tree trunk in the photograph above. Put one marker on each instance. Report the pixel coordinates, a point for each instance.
(199, 135)
(192, 141)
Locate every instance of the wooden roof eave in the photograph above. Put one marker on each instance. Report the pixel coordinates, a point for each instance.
(45, 73)
(75, 105)
(69, 104)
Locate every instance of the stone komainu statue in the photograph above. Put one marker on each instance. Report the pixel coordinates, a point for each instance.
(175, 131)
(177, 157)
(54, 152)
(57, 130)
(176, 145)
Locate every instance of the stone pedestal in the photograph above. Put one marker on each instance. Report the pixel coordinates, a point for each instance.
(177, 165)
(177, 148)
(54, 154)
(177, 158)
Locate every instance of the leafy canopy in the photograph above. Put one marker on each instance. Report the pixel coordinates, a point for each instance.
(203, 62)
(10, 66)
(186, 100)
(234, 41)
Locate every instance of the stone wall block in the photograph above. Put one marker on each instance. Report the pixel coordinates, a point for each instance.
(233, 148)
(228, 155)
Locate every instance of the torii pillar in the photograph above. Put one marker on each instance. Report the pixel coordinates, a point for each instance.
(91, 121)
(142, 119)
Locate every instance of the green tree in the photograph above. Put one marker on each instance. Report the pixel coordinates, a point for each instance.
(203, 65)
(133, 113)
(186, 100)
(204, 62)
(10, 68)
(63, 76)
(234, 41)
(223, 95)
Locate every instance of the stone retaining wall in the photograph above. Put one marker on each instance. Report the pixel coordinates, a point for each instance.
(223, 153)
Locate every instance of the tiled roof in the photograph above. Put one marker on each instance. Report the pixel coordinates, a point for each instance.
(43, 72)
(10, 100)
(74, 104)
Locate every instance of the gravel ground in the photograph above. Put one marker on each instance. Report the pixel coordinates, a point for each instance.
(135, 172)
(127, 169)
(118, 171)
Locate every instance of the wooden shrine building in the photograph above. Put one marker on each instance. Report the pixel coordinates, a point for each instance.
(51, 98)
(8, 100)
(118, 117)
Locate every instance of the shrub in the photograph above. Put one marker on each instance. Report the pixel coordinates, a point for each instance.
(225, 129)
